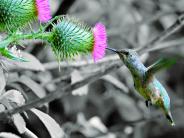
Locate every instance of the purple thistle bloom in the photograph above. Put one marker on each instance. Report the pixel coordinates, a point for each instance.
(43, 9)
(100, 41)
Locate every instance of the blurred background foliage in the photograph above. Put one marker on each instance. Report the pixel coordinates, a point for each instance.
(108, 107)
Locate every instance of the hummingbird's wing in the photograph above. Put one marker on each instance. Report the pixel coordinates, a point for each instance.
(161, 64)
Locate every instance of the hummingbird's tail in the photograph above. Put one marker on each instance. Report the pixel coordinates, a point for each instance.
(170, 119)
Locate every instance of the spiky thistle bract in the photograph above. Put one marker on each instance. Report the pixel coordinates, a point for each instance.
(70, 37)
(14, 14)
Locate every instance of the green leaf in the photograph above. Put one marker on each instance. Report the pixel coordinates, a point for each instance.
(8, 54)
(8, 135)
(52, 126)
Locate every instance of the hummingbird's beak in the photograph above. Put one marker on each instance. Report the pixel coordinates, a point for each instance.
(112, 49)
(121, 52)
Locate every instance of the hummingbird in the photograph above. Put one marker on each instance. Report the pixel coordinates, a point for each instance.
(145, 82)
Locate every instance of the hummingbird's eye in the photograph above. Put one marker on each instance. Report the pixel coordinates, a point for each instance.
(126, 53)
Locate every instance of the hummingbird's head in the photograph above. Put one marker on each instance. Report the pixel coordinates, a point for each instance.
(127, 55)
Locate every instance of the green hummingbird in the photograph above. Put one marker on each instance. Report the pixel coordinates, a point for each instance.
(145, 81)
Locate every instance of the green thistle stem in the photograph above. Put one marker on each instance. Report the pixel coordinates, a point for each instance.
(17, 37)
(42, 36)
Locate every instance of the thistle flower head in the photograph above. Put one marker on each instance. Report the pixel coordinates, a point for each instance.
(71, 37)
(14, 14)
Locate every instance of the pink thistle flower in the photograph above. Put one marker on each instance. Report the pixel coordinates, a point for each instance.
(43, 9)
(100, 41)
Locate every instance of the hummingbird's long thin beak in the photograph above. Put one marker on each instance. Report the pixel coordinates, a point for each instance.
(112, 49)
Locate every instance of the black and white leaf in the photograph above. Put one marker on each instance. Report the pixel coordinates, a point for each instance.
(2, 80)
(52, 126)
(8, 135)
(76, 76)
(19, 123)
(34, 86)
(14, 96)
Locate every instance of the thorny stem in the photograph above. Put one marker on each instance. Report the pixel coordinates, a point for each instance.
(51, 22)
(41, 34)
(17, 37)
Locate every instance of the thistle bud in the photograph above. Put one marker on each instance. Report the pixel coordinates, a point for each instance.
(71, 37)
(17, 13)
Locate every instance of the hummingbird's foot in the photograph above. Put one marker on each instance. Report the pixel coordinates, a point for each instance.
(148, 103)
